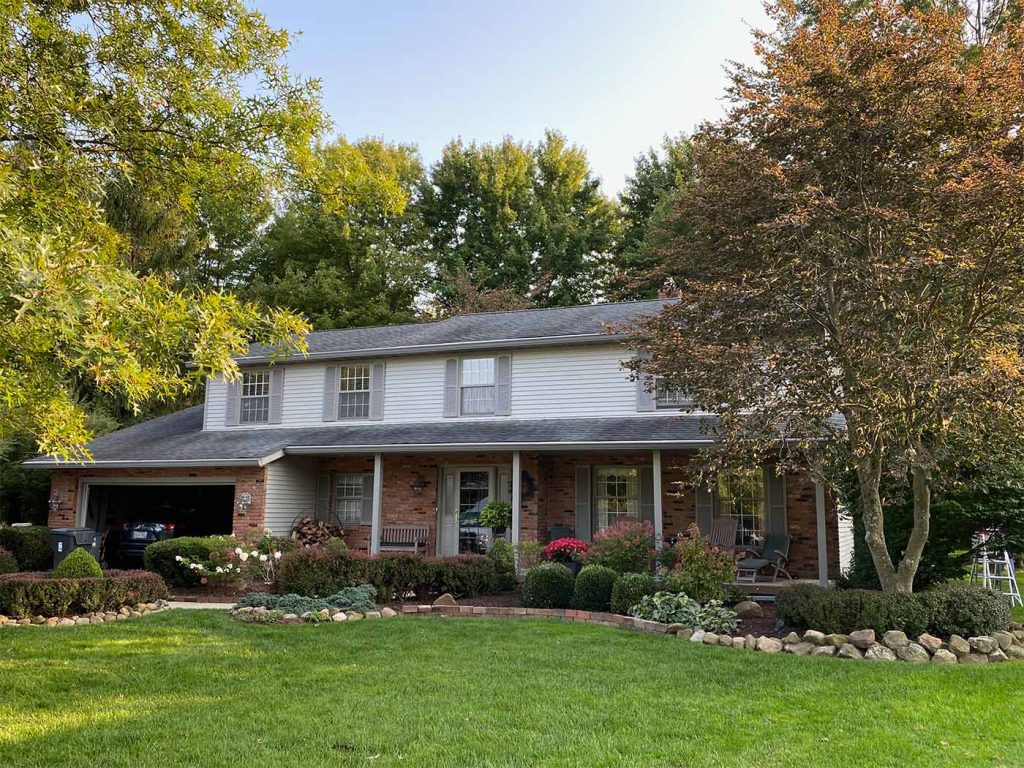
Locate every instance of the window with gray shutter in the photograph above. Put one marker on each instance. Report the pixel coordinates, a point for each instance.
(321, 497)
(583, 510)
(377, 391)
(776, 491)
(276, 395)
(331, 393)
(234, 391)
(451, 387)
(503, 385)
(705, 503)
(644, 387)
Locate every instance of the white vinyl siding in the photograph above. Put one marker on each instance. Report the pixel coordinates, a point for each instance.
(546, 383)
(290, 484)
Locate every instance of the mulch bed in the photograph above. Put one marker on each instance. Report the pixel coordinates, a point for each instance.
(215, 594)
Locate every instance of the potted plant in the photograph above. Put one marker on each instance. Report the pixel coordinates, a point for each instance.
(568, 551)
(496, 515)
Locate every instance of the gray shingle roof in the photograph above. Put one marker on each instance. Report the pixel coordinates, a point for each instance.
(179, 440)
(569, 325)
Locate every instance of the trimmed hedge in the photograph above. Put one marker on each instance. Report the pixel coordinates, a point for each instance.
(593, 588)
(36, 593)
(548, 585)
(315, 572)
(951, 608)
(159, 557)
(359, 598)
(30, 546)
(7, 562)
(629, 589)
(78, 564)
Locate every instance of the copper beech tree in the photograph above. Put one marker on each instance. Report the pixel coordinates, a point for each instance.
(852, 273)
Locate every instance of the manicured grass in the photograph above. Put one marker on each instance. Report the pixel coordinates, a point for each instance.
(195, 688)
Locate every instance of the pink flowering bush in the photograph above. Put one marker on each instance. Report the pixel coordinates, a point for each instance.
(700, 569)
(567, 550)
(626, 547)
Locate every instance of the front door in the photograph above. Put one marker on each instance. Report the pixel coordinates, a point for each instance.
(466, 492)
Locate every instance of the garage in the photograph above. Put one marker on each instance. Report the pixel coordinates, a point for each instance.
(192, 509)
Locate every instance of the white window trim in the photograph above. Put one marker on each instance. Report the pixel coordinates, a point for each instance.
(369, 387)
(493, 385)
(597, 496)
(336, 478)
(681, 400)
(719, 509)
(242, 397)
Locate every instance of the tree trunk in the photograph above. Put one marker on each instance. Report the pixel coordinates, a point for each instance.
(869, 478)
(908, 566)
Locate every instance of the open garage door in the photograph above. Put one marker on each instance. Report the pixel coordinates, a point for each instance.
(194, 510)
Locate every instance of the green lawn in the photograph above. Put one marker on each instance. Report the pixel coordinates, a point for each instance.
(195, 688)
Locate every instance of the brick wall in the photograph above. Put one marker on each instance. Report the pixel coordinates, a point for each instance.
(64, 486)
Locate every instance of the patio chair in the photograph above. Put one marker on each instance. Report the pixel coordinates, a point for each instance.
(723, 532)
(774, 555)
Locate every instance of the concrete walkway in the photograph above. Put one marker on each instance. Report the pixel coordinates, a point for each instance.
(204, 606)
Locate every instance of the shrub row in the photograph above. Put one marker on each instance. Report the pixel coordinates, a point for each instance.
(317, 572)
(359, 598)
(34, 593)
(30, 546)
(630, 589)
(159, 557)
(953, 608)
(7, 562)
(596, 588)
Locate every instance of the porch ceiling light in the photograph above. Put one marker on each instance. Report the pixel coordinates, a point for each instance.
(418, 484)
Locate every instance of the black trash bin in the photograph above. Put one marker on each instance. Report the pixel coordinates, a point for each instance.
(66, 540)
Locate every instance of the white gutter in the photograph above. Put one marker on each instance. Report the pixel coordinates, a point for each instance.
(337, 450)
(49, 463)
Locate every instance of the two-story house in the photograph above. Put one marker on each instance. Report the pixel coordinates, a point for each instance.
(421, 425)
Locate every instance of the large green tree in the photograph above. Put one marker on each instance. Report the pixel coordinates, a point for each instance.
(530, 218)
(349, 247)
(855, 247)
(171, 107)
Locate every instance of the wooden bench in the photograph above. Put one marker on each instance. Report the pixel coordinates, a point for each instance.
(404, 538)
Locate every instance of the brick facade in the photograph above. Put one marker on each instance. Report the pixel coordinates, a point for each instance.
(548, 495)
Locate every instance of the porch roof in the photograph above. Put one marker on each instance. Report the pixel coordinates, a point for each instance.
(178, 440)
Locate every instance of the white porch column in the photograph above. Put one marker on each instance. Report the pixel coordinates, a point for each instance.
(517, 494)
(819, 504)
(658, 517)
(378, 495)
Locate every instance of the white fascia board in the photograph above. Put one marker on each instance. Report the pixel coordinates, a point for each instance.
(329, 450)
(48, 463)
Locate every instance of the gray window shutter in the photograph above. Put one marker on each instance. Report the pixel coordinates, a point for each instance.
(276, 395)
(705, 502)
(377, 391)
(644, 385)
(504, 489)
(231, 407)
(451, 387)
(583, 502)
(645, 477)
(502, 385)
(368, 498)
(775, 490)
(321, 497)
(331, 393)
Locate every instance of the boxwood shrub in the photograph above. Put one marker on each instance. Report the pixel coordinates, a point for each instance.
(952, 608)
(159, 557)
(36, 593)
(593, 588)
(548, 585)
(629, 589)
(7, 562)
(78, 564)
(30, 546)
(359, 598)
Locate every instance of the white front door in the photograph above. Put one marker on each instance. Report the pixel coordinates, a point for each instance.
(466, 492)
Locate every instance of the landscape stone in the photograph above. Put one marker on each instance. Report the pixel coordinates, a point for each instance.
(698, 636)
(372, 614)
(354, 615)
(750, 643)
(738, 643)
(800, 649)
(339, 617)
(673, 629)
(894, 639)
(769, 644)
(52, 621)
(710, 638)
(997, 655)
(836, 639)
(942, 656)
(122, 617)
(849, 651)
(725, 641)
(1005, 639)
(929, 642)
(66, 623)
(3, 619)
(684, 634)
(974, 658)
(862, 638)
(81, 620)
(879, 652)
(748, 609)
(959, 646)
(1015, 652)
(824, 650)
(814, 637)
(38, 619)
(1019, 634)
(387, 613)
(791, 639)
(914, 653)
(983, 644)
(446, 599)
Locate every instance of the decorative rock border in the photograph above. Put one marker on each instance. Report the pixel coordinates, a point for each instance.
(261, 615)
(100, 617)
(862, 644)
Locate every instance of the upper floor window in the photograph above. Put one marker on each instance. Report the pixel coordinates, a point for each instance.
(354, 391)
(617, 495)
(476, 387)
(742, 495)
(666, 396)
(255, 398)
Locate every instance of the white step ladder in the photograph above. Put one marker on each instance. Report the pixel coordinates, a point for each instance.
(996, 573)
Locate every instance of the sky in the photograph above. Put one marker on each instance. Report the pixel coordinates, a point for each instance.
(614, 77)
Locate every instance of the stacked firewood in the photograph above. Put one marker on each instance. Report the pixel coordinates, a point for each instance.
(316, 533)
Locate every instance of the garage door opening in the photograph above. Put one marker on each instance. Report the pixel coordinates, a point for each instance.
(194, 510)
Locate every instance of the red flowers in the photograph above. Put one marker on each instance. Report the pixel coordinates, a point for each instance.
(565, 550)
